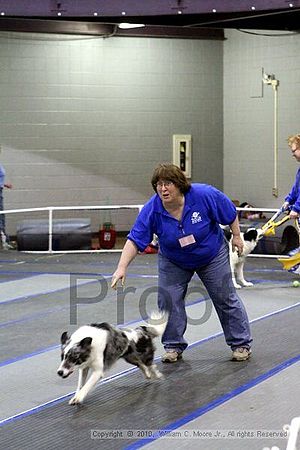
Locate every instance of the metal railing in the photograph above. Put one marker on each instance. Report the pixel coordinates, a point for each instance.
(52, 209)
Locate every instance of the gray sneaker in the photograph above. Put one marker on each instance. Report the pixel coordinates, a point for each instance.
(171, 356)
(241, 354)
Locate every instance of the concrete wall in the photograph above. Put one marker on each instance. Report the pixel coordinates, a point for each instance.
(249, 114)
(83, 121)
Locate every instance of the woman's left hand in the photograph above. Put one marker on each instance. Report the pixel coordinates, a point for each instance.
(237, 243)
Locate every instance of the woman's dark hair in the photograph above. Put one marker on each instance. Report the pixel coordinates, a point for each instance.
(170, 172)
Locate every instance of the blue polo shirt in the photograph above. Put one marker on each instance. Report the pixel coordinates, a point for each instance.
(2, 176)
(294, 196)
(204, 209)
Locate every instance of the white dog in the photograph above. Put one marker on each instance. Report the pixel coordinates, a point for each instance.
(97, 347)
(250, 239)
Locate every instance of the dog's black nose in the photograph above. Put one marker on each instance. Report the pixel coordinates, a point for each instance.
(60, 373)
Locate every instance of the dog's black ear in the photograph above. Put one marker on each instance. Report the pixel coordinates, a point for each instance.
(64, 338)
(86, 342)
(250, 235)
(227, 234)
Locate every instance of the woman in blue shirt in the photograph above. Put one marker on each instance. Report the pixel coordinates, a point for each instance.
(2, 216)
(292, 200)
(186, 218)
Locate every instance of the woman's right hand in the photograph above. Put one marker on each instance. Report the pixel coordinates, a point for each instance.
(128, 254)
(120, 274)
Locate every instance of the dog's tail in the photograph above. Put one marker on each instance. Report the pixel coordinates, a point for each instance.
(157, 323)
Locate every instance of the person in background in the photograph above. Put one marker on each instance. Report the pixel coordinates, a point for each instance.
(292, 200)
(186, 218)
(250, 215)
(3, 184)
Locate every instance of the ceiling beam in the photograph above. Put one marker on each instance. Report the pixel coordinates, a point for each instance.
(93, 28)
(55, 26)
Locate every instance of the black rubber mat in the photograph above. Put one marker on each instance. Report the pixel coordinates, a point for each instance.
(131, 403)
(32, 315)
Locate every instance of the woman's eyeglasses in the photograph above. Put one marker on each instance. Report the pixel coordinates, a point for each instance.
(167, 184)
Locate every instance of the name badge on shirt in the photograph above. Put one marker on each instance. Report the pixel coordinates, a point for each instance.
(186, 240)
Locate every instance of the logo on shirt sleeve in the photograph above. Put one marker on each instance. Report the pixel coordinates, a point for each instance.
(196, 217)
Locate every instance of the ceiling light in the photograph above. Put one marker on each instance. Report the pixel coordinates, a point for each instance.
(126, 26)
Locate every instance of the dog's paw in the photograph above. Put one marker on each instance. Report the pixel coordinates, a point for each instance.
(158, 375)
(147, 373)
(247, 283)
(72, 401)
(235, 284)
(76, 400)
(155, 373)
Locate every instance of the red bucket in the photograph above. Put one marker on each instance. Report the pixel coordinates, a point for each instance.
(107, 236)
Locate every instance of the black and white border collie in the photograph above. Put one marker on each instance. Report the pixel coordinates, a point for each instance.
(250, 239)
(97, 347)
